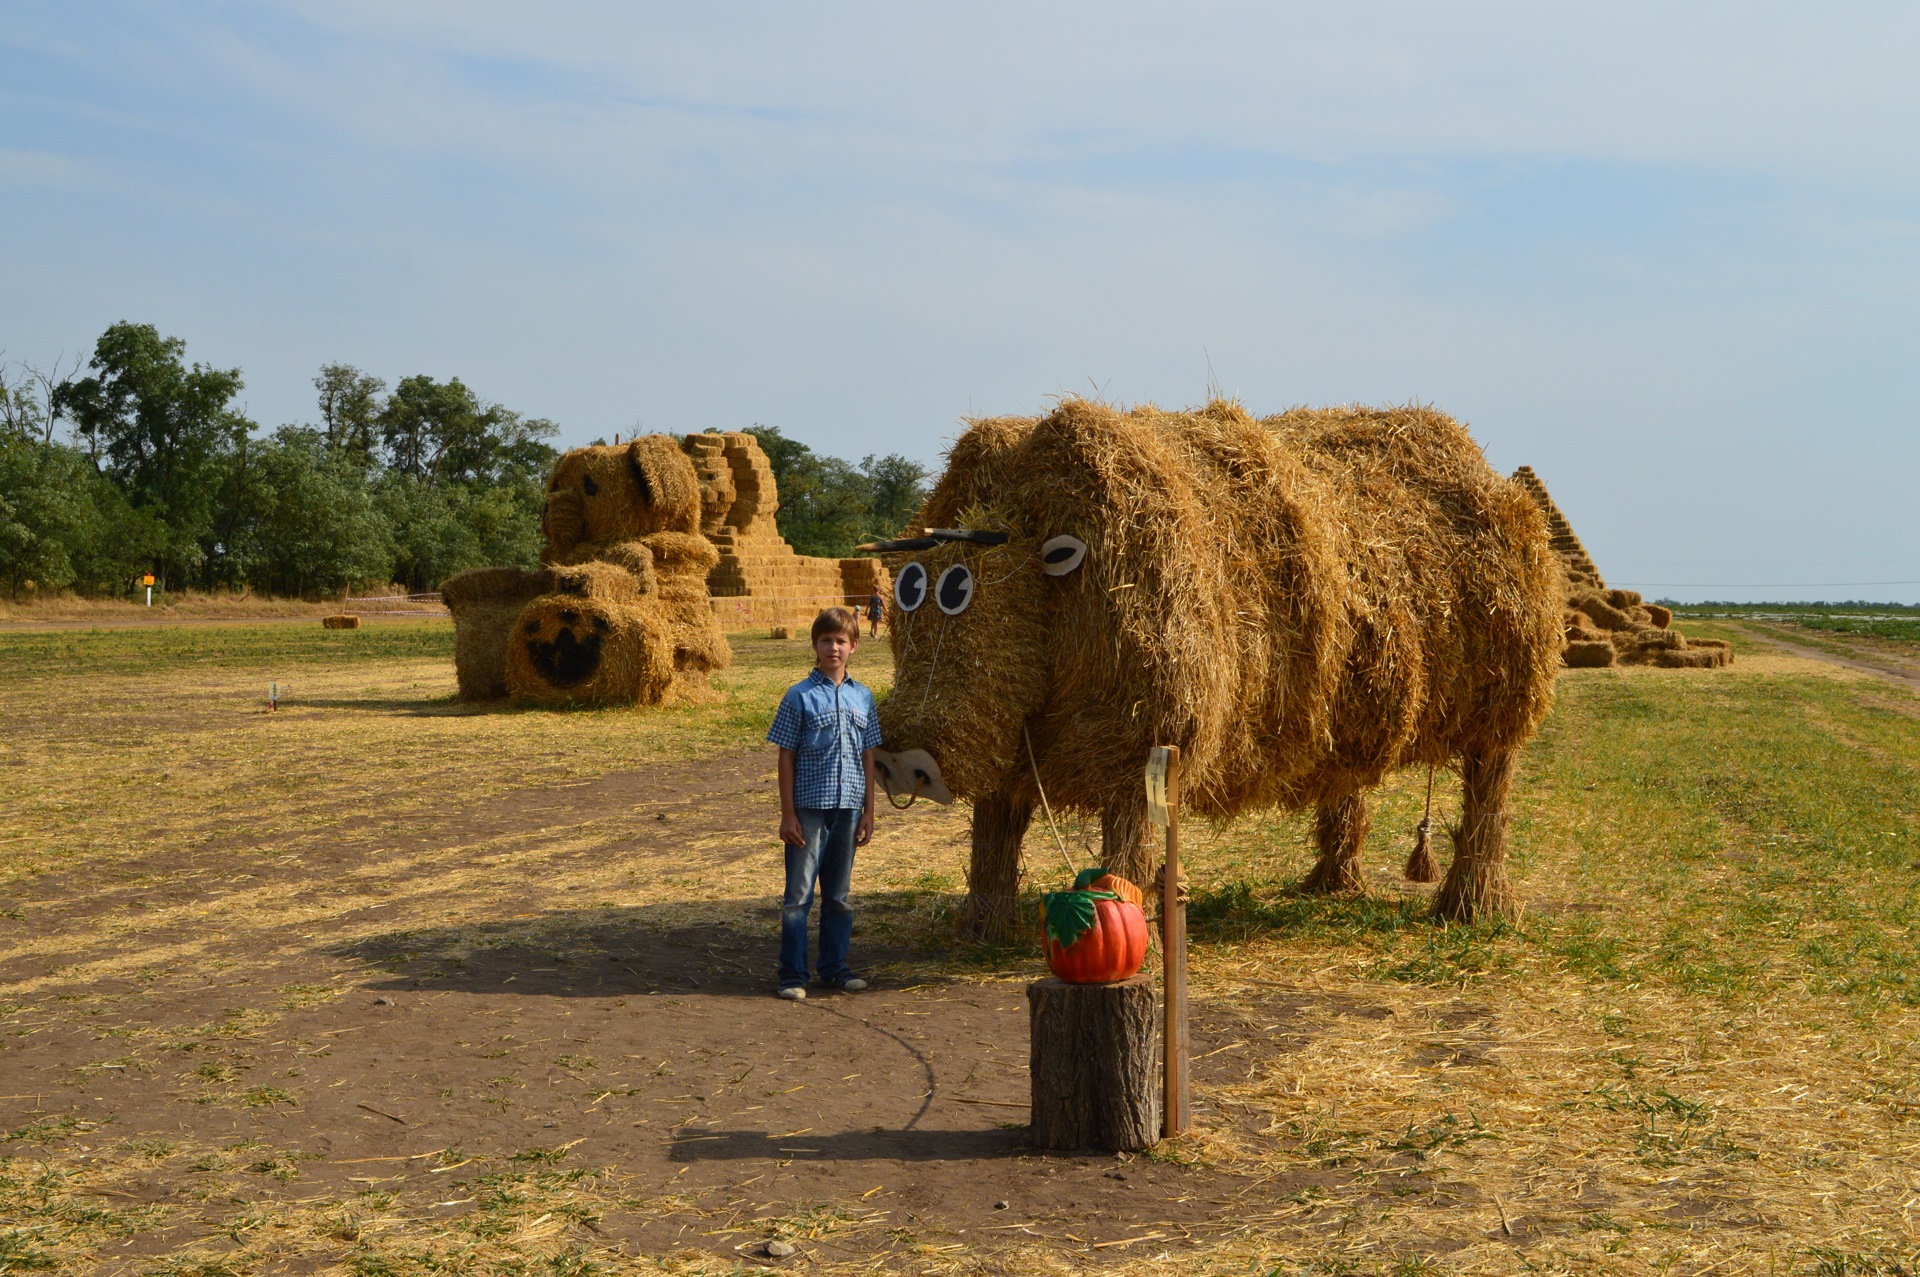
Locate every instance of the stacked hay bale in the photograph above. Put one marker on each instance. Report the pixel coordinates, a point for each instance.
(1612, 627)
(618, 614)
(759, 578)
(485, 602)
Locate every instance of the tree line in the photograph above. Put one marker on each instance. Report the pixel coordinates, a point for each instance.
(138, 462)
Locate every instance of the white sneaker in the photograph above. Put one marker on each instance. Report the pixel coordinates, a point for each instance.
(853, 985)
(794, 993)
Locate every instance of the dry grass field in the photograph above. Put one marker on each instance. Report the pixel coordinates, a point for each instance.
(385, 984)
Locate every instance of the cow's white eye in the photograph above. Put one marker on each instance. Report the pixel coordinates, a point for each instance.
(955, 590)
(910, 587)
(1062, 555)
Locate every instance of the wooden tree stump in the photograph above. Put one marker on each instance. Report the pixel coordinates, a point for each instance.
(1095, 1082)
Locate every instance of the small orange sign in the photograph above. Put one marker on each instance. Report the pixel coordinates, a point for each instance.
(147, 579)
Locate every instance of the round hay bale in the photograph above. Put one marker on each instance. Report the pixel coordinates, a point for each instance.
(591, 650)
(780, 632)
(340, 621)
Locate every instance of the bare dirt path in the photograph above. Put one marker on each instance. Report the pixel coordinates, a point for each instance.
(1867, 659)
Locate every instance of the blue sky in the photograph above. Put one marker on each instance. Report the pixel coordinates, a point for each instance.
(1669, 256)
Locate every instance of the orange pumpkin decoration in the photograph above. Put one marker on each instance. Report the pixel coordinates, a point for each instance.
(1093, 937)
(1098, 879)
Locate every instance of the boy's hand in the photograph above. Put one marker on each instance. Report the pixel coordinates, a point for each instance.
(790, 831)
(864, 835)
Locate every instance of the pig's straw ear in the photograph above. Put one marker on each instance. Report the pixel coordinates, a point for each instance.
(1062, 554)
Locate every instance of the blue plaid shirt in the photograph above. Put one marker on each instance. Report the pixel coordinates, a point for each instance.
(827, 726)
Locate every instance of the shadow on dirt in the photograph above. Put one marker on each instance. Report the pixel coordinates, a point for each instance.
(411, 707)
(614, 952)
(917, 1145)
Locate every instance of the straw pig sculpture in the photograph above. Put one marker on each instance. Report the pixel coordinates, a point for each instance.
(618, 611)
(1302, 604)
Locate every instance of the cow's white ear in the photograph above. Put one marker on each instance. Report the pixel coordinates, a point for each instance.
(1062, 554)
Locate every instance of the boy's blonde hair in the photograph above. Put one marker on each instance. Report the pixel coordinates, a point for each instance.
(835, 620)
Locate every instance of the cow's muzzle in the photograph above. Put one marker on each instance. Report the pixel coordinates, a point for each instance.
(910, 774)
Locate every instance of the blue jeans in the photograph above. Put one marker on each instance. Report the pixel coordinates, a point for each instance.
(826, 856)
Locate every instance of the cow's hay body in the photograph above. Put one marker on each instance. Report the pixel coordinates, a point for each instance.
(1302, 604)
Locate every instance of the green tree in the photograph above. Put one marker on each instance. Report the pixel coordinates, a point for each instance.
(62, 523)
(316, 526)
(350, 408)
(896, 488)
(440, 432)
(161, 431)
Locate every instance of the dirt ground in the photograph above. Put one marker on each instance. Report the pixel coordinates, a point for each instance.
(630, 1038)
(384, 984)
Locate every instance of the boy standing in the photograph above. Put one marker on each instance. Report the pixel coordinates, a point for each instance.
(827, 729)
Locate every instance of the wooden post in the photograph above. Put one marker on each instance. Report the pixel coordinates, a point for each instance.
(1177, 1100)
(1091, 1066)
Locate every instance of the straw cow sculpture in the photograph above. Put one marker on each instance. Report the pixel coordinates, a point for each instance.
(617, 613)
(1302, 604)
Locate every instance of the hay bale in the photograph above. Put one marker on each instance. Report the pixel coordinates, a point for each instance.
(340, 621)
(1602, 611)
(640, 506)
(591, 649)
(485, 603)
(1302, 604)
(756, 565)
(1620, 618)
(1589, 654)
(780, 632)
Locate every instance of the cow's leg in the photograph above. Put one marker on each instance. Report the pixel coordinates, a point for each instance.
(1124, 845)
(1340, 828)
(1476, 885)
(993, 879)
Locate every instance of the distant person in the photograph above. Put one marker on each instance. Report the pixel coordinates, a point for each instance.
(876, 608)
(827, 729)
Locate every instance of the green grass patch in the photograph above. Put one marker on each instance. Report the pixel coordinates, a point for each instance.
(162, 649)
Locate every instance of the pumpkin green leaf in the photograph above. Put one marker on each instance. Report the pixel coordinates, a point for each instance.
(1087, 877)
(1070, 914)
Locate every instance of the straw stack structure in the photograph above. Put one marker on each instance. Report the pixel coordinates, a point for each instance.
(1302, 604)
(618, 614)
(759, 578)
(485, 602)
(1612, 627)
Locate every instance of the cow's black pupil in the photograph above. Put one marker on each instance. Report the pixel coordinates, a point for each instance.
(957, 586)
(1060, 555)
(912, 585)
